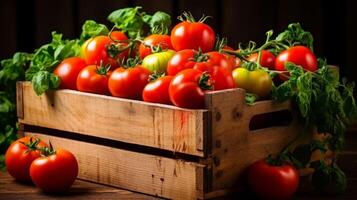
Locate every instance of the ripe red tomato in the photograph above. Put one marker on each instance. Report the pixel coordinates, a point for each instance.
(68, 71)
(187, 88)
(187, 58)
(55, 172)
(157, 91)
(163, 41)
(192, 35)
(102, 49)
(20, 155)
(220, 59)
(128, 83)
(93, 79)
(273, 182)
(267, 59)
(299, 55)
(180, 61)
(221, 76)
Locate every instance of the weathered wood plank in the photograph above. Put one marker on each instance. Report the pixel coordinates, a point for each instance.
(139, 172)
(80, 190)
(234, 146)
(136, 122)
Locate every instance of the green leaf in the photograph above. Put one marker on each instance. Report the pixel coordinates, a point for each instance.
(329, 179)
(43, 81)
(295, 35)
(91, 29)
(250, 98)
(159, 23)
(129, 20)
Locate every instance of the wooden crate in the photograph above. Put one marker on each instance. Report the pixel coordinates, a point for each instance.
(159, 149)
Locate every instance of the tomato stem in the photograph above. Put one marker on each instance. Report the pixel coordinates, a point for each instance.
(205, 82)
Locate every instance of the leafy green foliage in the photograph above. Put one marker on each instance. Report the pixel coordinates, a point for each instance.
(91, 28)
(295, 35)
(46, 58)
(132, 21)
(159, 23)
(321, 99)
(328, 179)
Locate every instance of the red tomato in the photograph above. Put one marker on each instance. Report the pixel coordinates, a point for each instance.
(299, 55)
(187, 58)
(273, 182)
(221, 76)
(93, 79)
(157, 91)
(180, 61)
(220, 59)
(68, 71)
(20, 155)
(267, 59)
(56, 172)
(187, 88)
(128, 83)
(163, 41)
(102, 49)
(193, 35)
(235, 61)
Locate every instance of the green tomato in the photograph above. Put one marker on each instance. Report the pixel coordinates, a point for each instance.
(157, 62)
(257, 82)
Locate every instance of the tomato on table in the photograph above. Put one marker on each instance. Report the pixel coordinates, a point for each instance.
(128, 82)
(55, 172)
(93, 79)
(157, 91)
(267, 59)
(278, 182)
(190, 34)
(20, 155)
(188, 87)
(68, 71)
(154, 41)
(299, 55)
(102, 49)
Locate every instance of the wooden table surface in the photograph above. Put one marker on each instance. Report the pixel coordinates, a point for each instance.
(9, 189)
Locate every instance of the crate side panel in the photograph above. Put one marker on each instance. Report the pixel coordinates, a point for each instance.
(155, 175)
(136, 122)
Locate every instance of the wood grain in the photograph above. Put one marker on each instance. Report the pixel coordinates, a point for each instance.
(137, 122)
(234, 146)
(139, 172)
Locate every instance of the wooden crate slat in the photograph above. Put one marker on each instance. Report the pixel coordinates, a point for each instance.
(158, 176)
(234, 146)
(154, 125)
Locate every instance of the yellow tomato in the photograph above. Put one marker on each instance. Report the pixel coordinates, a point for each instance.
(257, 82)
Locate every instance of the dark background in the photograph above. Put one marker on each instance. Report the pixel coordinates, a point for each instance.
(27, 24)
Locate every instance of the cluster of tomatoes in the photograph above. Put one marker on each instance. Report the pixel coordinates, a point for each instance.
(173, 69)
(31, 159)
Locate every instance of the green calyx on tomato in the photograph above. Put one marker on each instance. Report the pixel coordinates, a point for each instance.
(103, 69)
(47, 151)
(31, 145)
(187, 16)
(205, 81)
(155, 76)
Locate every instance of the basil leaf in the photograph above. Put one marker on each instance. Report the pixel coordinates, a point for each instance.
(91, 28)
(43, 81)
(129, 20)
